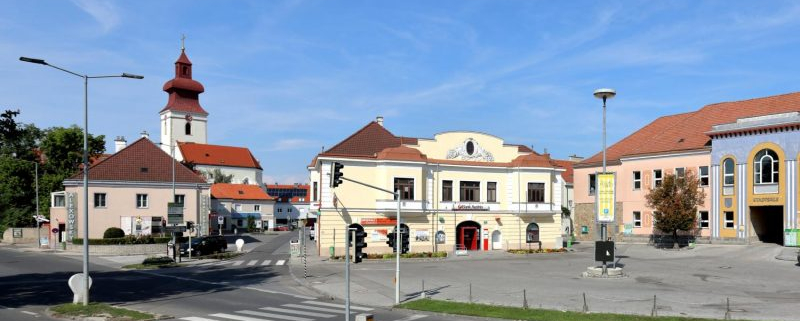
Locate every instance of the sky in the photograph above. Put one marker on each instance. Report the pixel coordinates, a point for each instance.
(288, 78)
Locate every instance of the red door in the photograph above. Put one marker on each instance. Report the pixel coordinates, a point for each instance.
(469, 237)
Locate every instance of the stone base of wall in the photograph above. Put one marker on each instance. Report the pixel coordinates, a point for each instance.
(130, 249)
(584, 216)
(648, 239)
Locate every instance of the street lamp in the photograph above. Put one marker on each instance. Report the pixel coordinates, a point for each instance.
(85, 161)
(604, 94)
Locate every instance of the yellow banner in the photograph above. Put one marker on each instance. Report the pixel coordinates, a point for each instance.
(606, 188)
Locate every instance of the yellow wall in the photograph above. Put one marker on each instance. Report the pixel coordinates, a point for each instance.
(777, 199)
(443, 142)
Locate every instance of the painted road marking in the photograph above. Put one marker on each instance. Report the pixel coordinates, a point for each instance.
(280, 262)
(34, 314)
(236, 317)
(341, 306)
(237, 263)
(274, 316)
(310, 314)
(251, 263)
(412, 318)
(266, 262)
(197, 319)
(297, 306)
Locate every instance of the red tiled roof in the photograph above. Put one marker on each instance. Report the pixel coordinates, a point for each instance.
(683, 132)
(568, 174)
(218, 155)
(184, 91)
(402, 153)
(367, 142)
(239, 192)
(141, 161)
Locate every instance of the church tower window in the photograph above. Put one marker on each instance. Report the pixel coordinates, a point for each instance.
(188, 128)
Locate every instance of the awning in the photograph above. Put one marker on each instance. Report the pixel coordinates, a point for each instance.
(246, 215)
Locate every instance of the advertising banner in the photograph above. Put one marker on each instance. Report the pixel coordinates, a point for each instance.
(606, 188)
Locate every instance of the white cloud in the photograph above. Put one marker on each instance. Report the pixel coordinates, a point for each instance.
(104, 12)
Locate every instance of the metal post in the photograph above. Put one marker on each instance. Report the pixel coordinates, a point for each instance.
(38, 221)
(85, 190)
(347, 273)
(399, 247)
(603, 226)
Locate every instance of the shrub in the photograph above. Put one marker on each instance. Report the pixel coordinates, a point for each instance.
(157, 260)
(130, 239)
(113, 233)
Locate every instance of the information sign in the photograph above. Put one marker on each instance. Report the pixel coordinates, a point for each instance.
(606, 188)
(175, 213)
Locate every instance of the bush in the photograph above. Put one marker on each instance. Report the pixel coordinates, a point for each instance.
(158, 260)
(113, 233)
(130, 239)
(532, 251)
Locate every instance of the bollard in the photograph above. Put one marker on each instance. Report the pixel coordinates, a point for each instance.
(585, 306)
(422, 294)
(470, 292)
(365, 317)
(728, 309)
(654, 312)
(524, 299)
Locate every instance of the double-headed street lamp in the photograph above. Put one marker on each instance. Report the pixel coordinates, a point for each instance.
(85, 162)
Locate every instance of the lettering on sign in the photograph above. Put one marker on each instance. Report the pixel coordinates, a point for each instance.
(773, 199)
(378, 221)
(71, 226)
(606, 197)
(471, 207)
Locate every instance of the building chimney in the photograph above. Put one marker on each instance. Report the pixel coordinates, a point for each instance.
(379, 120)
(120, 143)
(145, 134)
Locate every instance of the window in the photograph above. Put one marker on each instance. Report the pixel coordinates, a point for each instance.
(280, 210)
(237, 207)
(315, 191)
(59, 201)
(703, 219)
(592, 184)
(491, 192)
(180, 198)
(637, 180)
(727, 169)
(680, 172)
(729, 220)
(99, 199)
(766, 167)
(141, 200)
(657, 177)
(637, 219)
(289, 210)
(185, 70)
(535, 192)
(703, 175)
(532, 233)
(257, 208)
(470, 191)
(447, 191)
(406, 188)
(188, 128)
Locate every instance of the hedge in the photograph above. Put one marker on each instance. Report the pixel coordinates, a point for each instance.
(146, 239)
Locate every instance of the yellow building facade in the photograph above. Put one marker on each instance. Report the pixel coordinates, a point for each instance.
(459, 191)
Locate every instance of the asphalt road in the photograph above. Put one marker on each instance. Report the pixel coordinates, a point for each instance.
(253, 287)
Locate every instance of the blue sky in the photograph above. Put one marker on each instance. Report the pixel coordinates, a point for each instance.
(286, 78)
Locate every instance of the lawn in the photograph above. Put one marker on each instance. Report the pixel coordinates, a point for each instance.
(99, 310)
(512, 313)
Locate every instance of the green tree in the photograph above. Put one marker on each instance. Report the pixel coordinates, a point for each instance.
(18, 152)
(675, 202)
(218, 176)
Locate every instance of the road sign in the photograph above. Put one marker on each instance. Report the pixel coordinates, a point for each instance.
(605, 197)
(175, 213)
(55, 230)
(178, 228)
(220, 220)
(604, 251)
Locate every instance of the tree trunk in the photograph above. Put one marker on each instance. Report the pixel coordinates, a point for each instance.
(675, 245)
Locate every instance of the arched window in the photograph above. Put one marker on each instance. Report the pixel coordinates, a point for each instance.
(532, 233)
(766, 167)
(188, 128)
(727, 169)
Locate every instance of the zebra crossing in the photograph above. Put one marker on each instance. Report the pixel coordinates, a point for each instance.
(246, 263)
(302, 311)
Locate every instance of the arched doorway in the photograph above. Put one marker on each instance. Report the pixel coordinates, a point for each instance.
(468, 235)
(497, 240)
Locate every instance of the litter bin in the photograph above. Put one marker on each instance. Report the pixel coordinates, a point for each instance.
(330, 249)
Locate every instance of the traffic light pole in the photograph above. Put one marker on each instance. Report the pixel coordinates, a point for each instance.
(398, 241)
(347, 273)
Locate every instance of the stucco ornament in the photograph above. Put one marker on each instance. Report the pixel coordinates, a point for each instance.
(469, 150)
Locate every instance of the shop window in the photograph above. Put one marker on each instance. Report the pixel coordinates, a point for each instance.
(535, 192)
(729, 220)
(447, 191)
(491, 192)
(637, 219)
(766, 167)
(703, 219)
(658, 176)
(703, 175)
(470, 191)
(637, 180)
(99, 199)
(532, 233)
(592, 184)
(406, 188)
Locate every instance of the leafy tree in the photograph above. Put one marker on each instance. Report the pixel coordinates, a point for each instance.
(18, 153)
(676, 201)
(63, 148)
(217, 176)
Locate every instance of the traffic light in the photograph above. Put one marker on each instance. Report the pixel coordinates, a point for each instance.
(391, 240)
(336, 174)
(404, 240)
(360, 244)
(189, 225)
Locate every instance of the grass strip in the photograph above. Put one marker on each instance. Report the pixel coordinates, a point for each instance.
(99, 310)
(512, 313)
(141, 266)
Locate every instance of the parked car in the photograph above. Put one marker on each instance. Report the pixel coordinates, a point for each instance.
(205, 245)
(281, 227)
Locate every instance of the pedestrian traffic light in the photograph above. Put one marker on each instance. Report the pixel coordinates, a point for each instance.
(360, 244)
(404, 240)
(391, 240)
(336, 174)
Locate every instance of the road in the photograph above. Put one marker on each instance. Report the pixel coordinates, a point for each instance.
(253, 287)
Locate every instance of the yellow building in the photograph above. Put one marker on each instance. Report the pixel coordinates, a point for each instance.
(459, 190)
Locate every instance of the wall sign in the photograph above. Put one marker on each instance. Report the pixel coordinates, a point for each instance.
(470, 207)
(441, 238)
(71, 215)
(378, 221)
(606, 187)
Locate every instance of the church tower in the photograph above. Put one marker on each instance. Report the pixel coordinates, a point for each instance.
(183, 119)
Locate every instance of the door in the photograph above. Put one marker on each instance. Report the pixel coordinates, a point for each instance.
(469, 237)
(497, 241)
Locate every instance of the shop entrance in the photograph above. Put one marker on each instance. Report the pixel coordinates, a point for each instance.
(767, 223)
(468, 235)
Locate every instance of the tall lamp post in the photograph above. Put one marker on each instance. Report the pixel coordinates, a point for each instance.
(604, 94)
(85, 161)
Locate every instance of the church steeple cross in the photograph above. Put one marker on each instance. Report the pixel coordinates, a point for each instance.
(183, 44)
